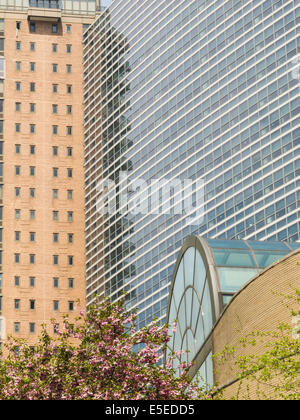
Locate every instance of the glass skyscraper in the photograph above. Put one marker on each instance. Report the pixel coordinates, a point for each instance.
(188, 90)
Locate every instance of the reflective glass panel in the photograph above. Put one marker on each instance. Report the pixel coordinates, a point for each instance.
(179, 284)
(199, 333)
(200, 274)
(233, 258)
(268, 245)
(207, 310)
(264, 259)
(189, 260)
(216, 243)
(189, 306)
(233, 278)
(181, 316)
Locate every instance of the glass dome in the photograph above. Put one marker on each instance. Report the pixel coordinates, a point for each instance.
(208, 272)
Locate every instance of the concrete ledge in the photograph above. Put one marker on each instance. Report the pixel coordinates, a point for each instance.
(51, 15)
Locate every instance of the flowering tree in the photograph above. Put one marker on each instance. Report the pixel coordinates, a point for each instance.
(95, 359)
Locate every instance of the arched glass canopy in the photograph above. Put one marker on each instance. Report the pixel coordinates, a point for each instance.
(208, 272)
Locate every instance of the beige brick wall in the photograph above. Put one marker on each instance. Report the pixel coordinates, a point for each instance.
(258, 307)
(44, 248)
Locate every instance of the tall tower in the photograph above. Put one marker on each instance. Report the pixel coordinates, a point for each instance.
(185, 91)
(42, 180)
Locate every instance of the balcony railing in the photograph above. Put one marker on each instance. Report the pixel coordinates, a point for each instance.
(46, 4)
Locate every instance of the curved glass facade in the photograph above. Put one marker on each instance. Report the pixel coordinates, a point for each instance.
(207, 274)
(199, 89)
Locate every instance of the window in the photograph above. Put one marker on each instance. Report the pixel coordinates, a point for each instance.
(55, 305)
(69, 130)
(18, 106)
(55, 150)
(55, 282)
(18, 45)
(31, 304)
(54, 129)
(18, 65)
(32, 87)
(32, 46)
(55, 193)
(17, 258)
(16, 327)
(55, 172)
(69, 68)
(17, 236)
(32, 214)
(54, 108)
(32, 128)
(70, 194)
(55, 259)
(17, 191)
(17, 281)
(18, 127)
(31, 192)
(32, 236)
(68, 29)
(55, 237)
(32, 107)
(32, 149)
(32, 27)
(17, 304)
(17, 214)
(31, 281)
(55, 215)
(70, 172)
(71, 305)
(18, 86)
(69, 151)
(69, 88)
(54, 88)
(17, 170)
(70, 238)
(17, 149)
(69, 48)
(70, 216)
(32, 66)
(69, 109)
(54, 28)
(18, 25)
(32, 170)
(32, 259)
(31, 327)
(54, 68)
(54, 47)
(70, 259)
(71, 283)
